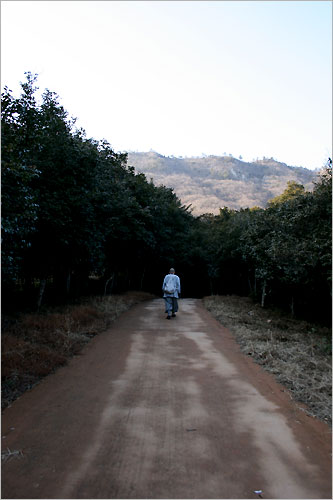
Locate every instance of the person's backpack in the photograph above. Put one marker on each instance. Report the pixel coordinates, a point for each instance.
(169, 287)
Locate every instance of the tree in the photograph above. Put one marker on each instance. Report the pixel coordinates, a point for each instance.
(292, 191)
(72, 208)
(19, 128)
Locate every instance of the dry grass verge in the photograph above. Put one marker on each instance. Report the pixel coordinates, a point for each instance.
(298, 353)
(34, 345)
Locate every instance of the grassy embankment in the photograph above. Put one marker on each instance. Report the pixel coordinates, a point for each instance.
(35, 345)
(298, 353)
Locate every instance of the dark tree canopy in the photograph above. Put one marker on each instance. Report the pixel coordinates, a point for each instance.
(77, 219)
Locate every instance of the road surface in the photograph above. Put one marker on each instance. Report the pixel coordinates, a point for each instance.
(163, 409)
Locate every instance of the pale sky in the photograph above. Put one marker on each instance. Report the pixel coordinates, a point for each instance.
(183, 78)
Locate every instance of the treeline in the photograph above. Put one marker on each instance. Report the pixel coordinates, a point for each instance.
(280, 255)
(76, 219)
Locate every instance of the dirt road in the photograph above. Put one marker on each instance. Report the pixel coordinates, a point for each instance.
(163, 409)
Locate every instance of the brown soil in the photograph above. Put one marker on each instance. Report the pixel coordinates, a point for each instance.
(163, 409)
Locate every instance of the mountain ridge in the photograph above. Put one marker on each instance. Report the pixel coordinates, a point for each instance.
(209, 183)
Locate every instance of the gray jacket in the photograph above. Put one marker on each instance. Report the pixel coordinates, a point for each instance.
(174, 281)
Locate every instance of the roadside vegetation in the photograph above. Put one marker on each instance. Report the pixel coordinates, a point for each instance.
(78, 222)
(296, 352)
(35, 345)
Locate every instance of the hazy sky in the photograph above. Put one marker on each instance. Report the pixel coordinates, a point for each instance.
(183, 78)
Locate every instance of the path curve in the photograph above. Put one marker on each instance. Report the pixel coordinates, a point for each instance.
(163, 409)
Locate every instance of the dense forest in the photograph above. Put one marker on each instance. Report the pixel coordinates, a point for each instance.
(78, 220)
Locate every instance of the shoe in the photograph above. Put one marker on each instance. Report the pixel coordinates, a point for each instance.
(173, 315)
(168, 317)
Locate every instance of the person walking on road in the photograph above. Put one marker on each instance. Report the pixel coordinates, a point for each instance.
(171, 291)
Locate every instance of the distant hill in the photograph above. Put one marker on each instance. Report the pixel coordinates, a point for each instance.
(212, 182)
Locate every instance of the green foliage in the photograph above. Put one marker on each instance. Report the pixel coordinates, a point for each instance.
(283, 251)
(18, 172)
(280, 255)
(73, 208)
(292, 191)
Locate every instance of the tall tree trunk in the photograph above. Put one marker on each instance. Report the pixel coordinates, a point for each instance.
(41, 292)
(68, 282)
(263, 294)
(249, 283)
(107, 283)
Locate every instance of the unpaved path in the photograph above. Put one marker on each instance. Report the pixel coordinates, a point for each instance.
(163, 409)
